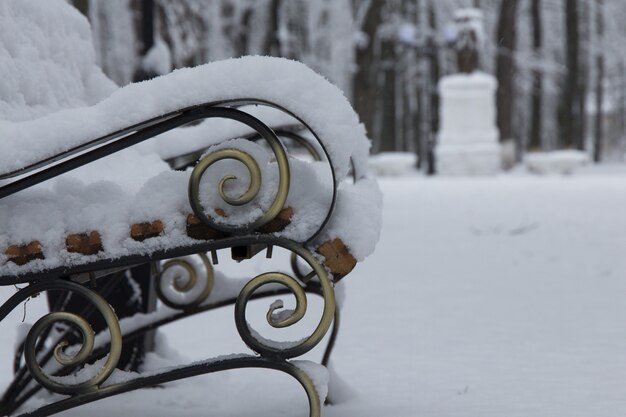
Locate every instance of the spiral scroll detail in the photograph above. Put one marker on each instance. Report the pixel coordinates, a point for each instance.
(185, 282)
(86, 349)
(281, 319)
(255, 177)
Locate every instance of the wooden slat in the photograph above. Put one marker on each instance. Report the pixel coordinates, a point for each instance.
(147, 230)
(200, 231)
(23, 254)
(279, 222)
(337, 258)
(84, 243)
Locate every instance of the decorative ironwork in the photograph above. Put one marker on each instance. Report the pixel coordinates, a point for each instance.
(181, 284)
(79, 358)
(182, 278)
(286, 349)
(186, 372)
(122, 139)
(179, 275)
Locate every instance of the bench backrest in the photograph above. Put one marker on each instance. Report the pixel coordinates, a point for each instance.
(48, 60)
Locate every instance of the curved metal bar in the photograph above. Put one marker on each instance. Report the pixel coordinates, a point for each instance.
(189, 159)
(22, 377)
(88, 145)
(300, 140)
(295, 267)
(336, 321)
(296, 137)
(192, 280)
(247, 101)
(333, 338)
(186, 372)
(200, 246)
(312, 287)
(116, 142)
(30, 351)
(253, 188)
(290, 349)
(255, 176)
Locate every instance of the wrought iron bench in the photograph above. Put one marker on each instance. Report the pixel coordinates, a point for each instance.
(238, 195)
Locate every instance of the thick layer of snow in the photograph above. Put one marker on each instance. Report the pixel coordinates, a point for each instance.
(75, 204)
(48, 64)
(392, 164)
(486, 297)
(556, 162)
(469, 159)
(210, 132)
(135, 186)
(287, 83)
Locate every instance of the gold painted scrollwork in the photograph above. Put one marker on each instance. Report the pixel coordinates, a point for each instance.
(280, 319)
(253, 188)
(60, 386)
(180, 277)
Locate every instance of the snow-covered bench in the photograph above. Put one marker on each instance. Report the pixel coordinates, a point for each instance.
(85, 192)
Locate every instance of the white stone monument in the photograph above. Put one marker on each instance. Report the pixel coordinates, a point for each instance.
(468, 139)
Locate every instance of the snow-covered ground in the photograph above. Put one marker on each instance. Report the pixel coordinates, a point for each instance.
(500, 296)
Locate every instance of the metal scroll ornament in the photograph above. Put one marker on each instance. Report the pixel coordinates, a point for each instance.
(79, 358)
(253, 188)
(283, 318)
(185, 283)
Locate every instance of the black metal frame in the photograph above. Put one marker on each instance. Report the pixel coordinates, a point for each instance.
(82, 276)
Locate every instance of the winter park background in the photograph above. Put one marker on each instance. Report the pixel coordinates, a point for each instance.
(497, 294)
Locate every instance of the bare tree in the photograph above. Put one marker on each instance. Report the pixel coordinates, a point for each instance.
(505, 67)
(435, 75)
(598, 128)
(570, 123)
(536, 113)
(364, 90)
(272, 41)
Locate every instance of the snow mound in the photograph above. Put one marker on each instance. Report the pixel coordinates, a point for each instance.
(555, 162)
(287, 83)
(393, 164)
(48, 64)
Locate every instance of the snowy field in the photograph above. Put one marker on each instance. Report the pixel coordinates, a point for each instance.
(501, 297)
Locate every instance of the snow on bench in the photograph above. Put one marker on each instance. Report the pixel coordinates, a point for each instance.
(78, 218)
(131, 202)
(84, 187)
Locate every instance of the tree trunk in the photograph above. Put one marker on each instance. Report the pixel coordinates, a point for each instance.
(598, 128)
(505, 68)
(388, 131)
(242, 41)
(583, 77)
(534, 140)
(272, 42)
(435, 75)
(621, 106)
(570, 123)
(364, 90)
(82, 6)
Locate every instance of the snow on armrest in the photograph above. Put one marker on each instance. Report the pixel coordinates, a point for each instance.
(289, 84)
(143, 207)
